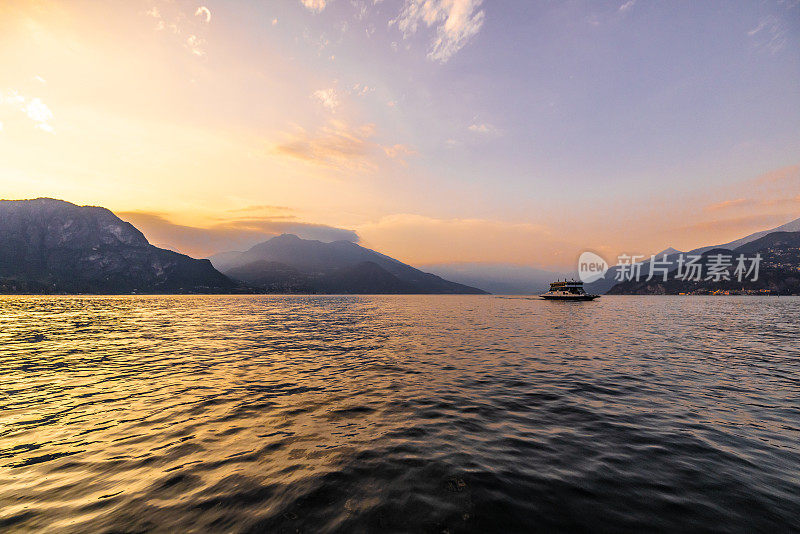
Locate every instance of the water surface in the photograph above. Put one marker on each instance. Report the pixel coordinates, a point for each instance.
(399, 414)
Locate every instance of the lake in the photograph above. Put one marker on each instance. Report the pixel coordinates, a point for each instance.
(399, 414)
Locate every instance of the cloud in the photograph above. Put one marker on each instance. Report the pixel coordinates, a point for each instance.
(187, 31)
(736, 226)
(627, 5)
(334, 145)
(399, 152)
(739, 202)
(315, 6)
(203, 11)
(361, 90)
(769, 34)
(38, 111)
(339, 145)
(233, 234)
(154, 13)
(32, 107)
(328, 98)
(483, 128)
(784, 175)
(456, 22)
(261, 208)
(195, 45)
(751, 205)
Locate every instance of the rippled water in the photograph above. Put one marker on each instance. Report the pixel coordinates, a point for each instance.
(399, 414)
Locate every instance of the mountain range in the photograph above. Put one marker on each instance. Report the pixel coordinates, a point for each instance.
(778, 270)
(53, 246)
(289, 264)
(604, 285)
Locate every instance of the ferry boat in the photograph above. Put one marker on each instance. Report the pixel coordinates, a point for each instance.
(567, 290)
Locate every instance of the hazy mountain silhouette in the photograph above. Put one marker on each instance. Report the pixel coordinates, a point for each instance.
(498, 278)
(604, 284)
(53, 246)
(779, 270)
(290, 264)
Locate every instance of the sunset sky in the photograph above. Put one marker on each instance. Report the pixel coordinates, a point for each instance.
(433, 131)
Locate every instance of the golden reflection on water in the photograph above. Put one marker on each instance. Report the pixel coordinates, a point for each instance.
(325, 413)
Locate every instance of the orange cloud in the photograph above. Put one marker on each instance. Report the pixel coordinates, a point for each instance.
(739, 202)
(340, 145)
(790, 174)
(335, 144)
(735, 226)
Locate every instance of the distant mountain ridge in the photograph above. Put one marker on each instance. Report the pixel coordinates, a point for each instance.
(779, 271)
(497, 278)
(53, 246)
(290, 264)
(604, 284)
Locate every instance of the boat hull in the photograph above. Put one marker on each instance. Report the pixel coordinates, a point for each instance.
(570, 297)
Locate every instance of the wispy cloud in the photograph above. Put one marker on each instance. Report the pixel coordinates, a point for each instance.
(195, 45)
(456, 22)
(327, 97)
(314, 5)
(204, 12)
(483, 128)
(361, 90)
(399, 152)
(38, 111)
(261, 208)
(734, 226)
(335, 145)
(32, 107)
(770, 34)
(725, 204)
(342, 146)
(173, 20)
(784, 175)
(627, 5)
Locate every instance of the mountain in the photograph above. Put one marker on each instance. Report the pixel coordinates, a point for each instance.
(779, 271)
(604, 284)
(53, 246)
(289, 264)
(497, 278)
